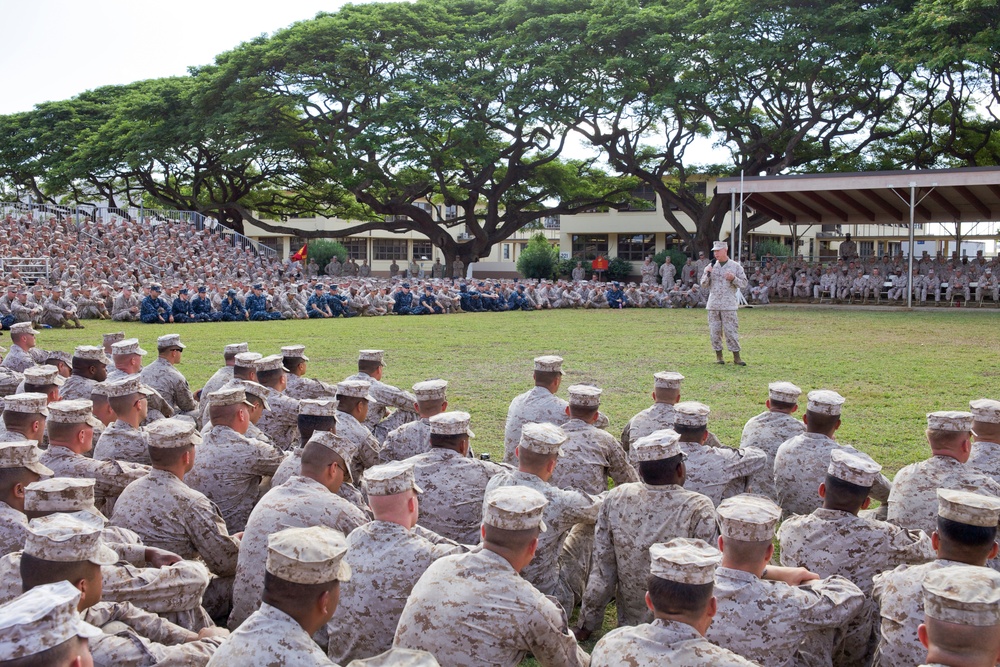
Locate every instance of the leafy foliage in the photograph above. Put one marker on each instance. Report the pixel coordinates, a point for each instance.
(618, 269)
(676, 257)
(322, 251)
(772, 248)
(539, 259)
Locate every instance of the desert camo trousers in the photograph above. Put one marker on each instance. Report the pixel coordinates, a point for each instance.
(724, 321)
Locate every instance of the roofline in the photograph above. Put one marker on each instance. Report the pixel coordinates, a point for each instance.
(865, 180)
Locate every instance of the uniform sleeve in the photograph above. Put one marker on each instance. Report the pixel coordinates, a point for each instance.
(626, 435)
(603, 580)
(207, 530)
(909, 547)
(828, 603)
(150, 626)
(185, 399)
(267, 459)
(442, 545)
(112, 477)
(881, 489)
(618, 466)
(549, 638)
(704, 525)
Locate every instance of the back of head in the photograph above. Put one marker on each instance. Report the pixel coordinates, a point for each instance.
(967, 526)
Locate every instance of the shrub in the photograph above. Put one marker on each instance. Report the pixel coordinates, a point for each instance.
(618, 269)
(773, 248)
(322, 251)
(539, 259)
(676, 257)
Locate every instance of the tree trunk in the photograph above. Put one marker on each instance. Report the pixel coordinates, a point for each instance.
(233, 219)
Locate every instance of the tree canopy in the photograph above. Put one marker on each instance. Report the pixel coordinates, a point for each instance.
(502, 113)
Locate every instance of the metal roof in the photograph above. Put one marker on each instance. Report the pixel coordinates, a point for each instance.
(877, 197)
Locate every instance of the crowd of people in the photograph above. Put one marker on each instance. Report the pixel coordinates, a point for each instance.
(272, 518)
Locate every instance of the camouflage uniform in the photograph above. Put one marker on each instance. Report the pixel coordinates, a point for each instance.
(270, 637)
(913, 502)
(136, 637)
(454, 487)
(800, 467)
(221, 378)
(632, 518)
(719, 472)
(365, 445)
(537, 405)
(280, 422)
(406, 441)
(565, 510)
(830, 542)
(473, 609)
(302, 387)
(661, 642)
(388, 558)
(766, 432)
(298, 503)
(722, 303)
(229, 469)
(899, 594)
(123, 442)
(385, 396)
(985, 458)
(76, 387)
(171, 385)
(654, 418)
(17, 359)
(767, 621)
(111, 477)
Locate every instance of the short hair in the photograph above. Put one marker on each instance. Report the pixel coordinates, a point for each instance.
(318, 455)
(11, 477)
(229, 356)
(19, 421)
(660, 472)
(223, 414)
(967, 535)
(270, 378)
(671, 597)
(37, 571)
(368, 366)
(582, 412)
(281, 593)
(510, 539)
(820, 421)
(80, 364)
(453, 441)
(348, 403)
(122, 404)
(744, 551)
(686, 431)
(256, 400)
(782, 405)
(292, 363)
(667, 393)
(546, 377)
(167, 456)
(534, 459)
(38, 388)
(59, 654)
(939, 439)
(243, 372)
(309, 424)
(61, 431)
(430, 404)
(844, 493)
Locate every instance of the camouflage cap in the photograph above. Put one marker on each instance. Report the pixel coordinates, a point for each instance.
(23, 454)
(825, 402)
(515, 508)
(296, 351)
(99, 389)
(964, 595)
(657, 446)
(691, 413)
(43, 375)
(255, 389)
(29, 402)
(236, 348)
(454, 422)
(59, 355)
(969, 508)
(585, 395)
(549, 363)
(430, 390)
(272, 362)
(60, 494)
(130, 384)
(22, 328)
(667, 380)
(127, 346)
(78, 411)
(949, 420)
(853, 467)
(748, 517)
(372, 355)
(985, 410)
(173, 433)
(786, 392)
(65, 539)
(168, 341)
(684, 561)
(228, 396)
(326, 407)
(355, 388)
(91, 353)
(339, 445)
(42, 619)
(389, 479)
(545, 439)
(398, 657)
(313, 555)
(112, 337)
(248, 359)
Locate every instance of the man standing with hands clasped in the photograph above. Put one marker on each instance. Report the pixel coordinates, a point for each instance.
(723, 278)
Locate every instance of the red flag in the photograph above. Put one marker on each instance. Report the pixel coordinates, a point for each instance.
(301, 254)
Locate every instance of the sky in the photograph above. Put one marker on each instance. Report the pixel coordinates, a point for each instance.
(55, 49)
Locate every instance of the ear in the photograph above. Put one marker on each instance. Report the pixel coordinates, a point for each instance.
(865, 505)
(18, 490)
(796, 408)
(767, 404)
(935, 540)
(993, 551)
(805, 419)
(712, 608)
(722, 543)
(444, 406)
(482, 532)
(922, 635)
(770, 551)
(416, 408)
(323, 603)
(551, 465)
(649, 602)
(822, 490)
(567, 410)
(517, 452)
(533, 546)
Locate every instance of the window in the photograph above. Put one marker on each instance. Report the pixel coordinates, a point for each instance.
(450, 212)
(866, 248)
(645, 199)
(389, 249)
(423, 249)
(357, 247)
(635, 247)
(271, 242)
(588, 246)
(506, 251)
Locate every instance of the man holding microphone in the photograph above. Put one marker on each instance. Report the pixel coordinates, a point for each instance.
(723, 279)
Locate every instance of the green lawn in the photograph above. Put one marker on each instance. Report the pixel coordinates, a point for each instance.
(893, 367)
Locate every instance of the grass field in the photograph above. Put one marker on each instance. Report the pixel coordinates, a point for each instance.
(893, 367)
